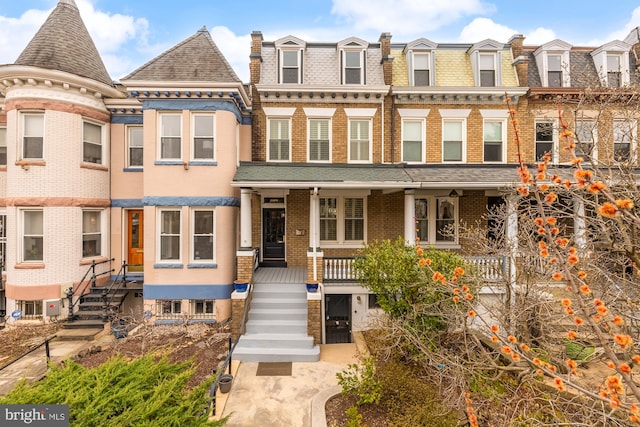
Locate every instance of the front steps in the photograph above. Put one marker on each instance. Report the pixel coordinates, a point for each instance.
(276, 329)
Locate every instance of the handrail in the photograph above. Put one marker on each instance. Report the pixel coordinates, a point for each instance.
(109, 292)
(227, 362)
(80, 292)
(45, 343)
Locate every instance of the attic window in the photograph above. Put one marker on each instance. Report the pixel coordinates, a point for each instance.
(554, 72)
(353, 67)
(614, 68)
(487, 69)
(291, 68)
(421, 69)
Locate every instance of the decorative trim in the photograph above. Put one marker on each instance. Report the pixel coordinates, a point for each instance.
(454, 113)
(126, 120)
(132, 170)
(203, 163)
(279, 111)
(413, 113)
(190, 201)
(360, 112)
(495, 114)
(193, 104)
(319, 112)
(186, 291)
(57, 202)
(94, 166)
(202, 265)
(176, 265)
(29, 266)
(168, 163)
(126, 203)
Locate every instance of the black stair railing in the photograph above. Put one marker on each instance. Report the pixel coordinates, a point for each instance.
(108, 293)
(47, 352)
(83, 284)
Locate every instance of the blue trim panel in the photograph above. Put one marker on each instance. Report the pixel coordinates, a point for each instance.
(190, 201)
(132, 170)
(193, 105)
(169, 322)
(126, 120)
(169, 162)
(173, 291)
(126, 203)
(203, 163)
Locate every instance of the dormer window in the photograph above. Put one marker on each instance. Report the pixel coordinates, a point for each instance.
(421, 69)
(485, 60)
(420, 56)
(353, 61)
(554, 73)
(290, 52)
(614, 67)
(352, 72)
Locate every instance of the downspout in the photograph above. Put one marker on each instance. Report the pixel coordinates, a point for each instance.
(393, 126)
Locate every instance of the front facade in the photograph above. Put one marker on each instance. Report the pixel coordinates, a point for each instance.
(188, 179)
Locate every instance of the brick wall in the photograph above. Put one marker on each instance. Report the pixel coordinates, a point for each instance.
(297, 219)
(314, 321)
(385, 215)
(473, 210)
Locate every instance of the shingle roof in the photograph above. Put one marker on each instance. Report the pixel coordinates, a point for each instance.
(195, 59)
(63, 43)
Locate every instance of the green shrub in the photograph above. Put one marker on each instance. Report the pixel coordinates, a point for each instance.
(360, 380)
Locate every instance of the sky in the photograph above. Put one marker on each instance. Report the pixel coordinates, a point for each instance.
(128, 33)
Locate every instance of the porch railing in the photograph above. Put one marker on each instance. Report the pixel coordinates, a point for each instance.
(488, 268)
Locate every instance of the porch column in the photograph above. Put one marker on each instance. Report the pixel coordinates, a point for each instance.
(410, 217)
(579, 224)
(245, 218)
(314, 254)
(512, 246)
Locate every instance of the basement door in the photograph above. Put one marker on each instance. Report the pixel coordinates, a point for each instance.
(135, 240)
(337, 309)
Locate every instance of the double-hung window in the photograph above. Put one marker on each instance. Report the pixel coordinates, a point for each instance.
(203, 235)
(359, 140)
(91, 143)
(32, 235)
(545, 137)
(624, 137)
(554, 70)
(134, 146)
(203, 136)
(585, 139)
(421, 69)
(203, 307)
(436, 219)
(32, 135)
(412, 140)
(452, 140)
(353, 67)
(279, 139)
(319, 142)
(290, 72)
(170, 227)
(91, 233)
(494, 141)
(3, 146)
(168, 308)
(170, 137)
(487, 69)
(342, 219)
(614, 70)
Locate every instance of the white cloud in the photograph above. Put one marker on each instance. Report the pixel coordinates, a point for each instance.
(539, 36)
(484, 28)
(622, 33)
(406, 17)
(15, 33)
(236, 48)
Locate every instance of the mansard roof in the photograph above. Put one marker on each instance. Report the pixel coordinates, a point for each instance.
(195, 59)
(63, 43)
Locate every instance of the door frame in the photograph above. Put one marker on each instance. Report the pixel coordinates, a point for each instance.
(127, 239)
(349, 313)
(273, 201)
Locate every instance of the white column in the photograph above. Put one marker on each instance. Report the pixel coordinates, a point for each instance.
(410, 217)
(246, 240)
(579, 223)
(314, 220)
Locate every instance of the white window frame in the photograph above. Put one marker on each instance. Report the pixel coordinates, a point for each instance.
(194, 136)
(549, 70)
(160, 234)
(283, 66)
(633, 138)
(423, 150)
(282, 139)
(195, 258)
(619, 70)
(433, 202)
(40, 135)
(100, 144)
(593, 123)
(495, 116)
(24, 235)
(455, 116)
(175, 308)
(362, 65)
(131, 147)
(161, 136)
(368, 123)
(494, 58)
(413, 68)
(555, 47)
(554, 138)
(310, 149)
(3, 146)
(101, 240)
(205, 314)
(341, 218)
(38, 311)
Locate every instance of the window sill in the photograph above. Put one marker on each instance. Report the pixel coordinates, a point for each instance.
(202, 265)
(90, 260)
(169, 163)
(202, 163)
(341, 245)
(132, 170)
(93, 166)
(3, 168)
(26, 163)
(30, 266)
(168, 265)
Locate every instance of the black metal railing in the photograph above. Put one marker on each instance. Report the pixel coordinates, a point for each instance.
(81, 288)
(45, 343)
(226, 365)
(108, 293)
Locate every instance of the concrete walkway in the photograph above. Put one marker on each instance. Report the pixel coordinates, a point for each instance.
(286, 401)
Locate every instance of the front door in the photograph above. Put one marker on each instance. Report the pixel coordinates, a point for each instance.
(273, 223)
(338, 318)
(135, 240)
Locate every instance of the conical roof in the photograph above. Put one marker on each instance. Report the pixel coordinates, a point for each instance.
(63, 43)
(195, 59)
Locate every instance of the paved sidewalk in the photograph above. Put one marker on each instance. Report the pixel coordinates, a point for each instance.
(285, 401)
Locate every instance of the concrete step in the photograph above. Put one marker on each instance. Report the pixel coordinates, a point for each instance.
(299, 314)
(277, 304)
(280, 287)
(275, 341)
(276, 326)
(84, 323)
(80, 334)
(248, 354)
